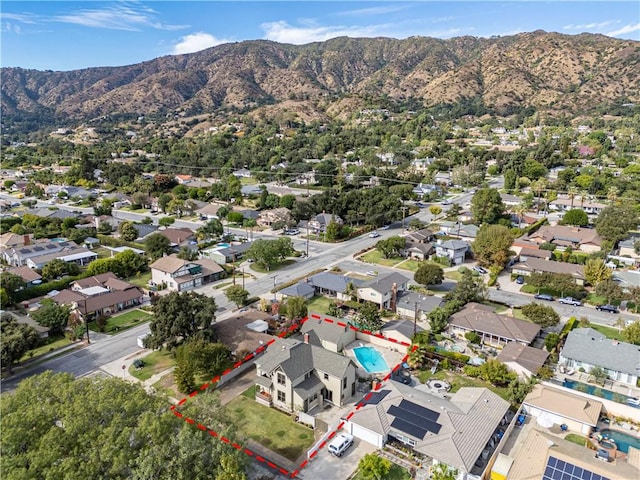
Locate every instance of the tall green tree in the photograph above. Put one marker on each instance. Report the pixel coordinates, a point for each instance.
(52, 315)
(468, 289)
(17, 339)
(156, 245)
(374, 467)
(237, 295)
(492, 244)
(58, 268)
(179, 317)
(487, 206)
(541, 314)
(369, 317)
(429, 274)
(576, 217)
(615, 222)
(631, 333)
(11, 283)
(105, 429)
(596, 271)
(268, 253)
(128, 231)
(438, 319)
(296, 308)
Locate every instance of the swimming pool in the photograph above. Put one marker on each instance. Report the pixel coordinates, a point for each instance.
(223, 245)
(623, 440)
(371, 359)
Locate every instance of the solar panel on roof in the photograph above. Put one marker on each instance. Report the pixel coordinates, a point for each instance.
(560, 470)
(418, 410)
(413, 419)
(408, 428)
(377, 397)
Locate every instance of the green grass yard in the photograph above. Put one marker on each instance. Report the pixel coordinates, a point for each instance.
(51, 344)
(411, 265)
(320, 304)
(154, 363)
(396, 473)
(124, 321)
(457, 381)
(141, 279)
(271, 428)
(375, 257)
(608, 332)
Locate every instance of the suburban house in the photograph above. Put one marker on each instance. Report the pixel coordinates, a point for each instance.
(383, 290)
(559, 407)
(527, 253)
(319, 222)
(415, 305)
(455, 250)
(18, 256)
(223, 255)
(209, 211)
(11, 240)
(584, 239)
(564, 203)
(426, 190)
(539, 265)
(300, 289)
(79, 255)
(329, 336)
(28, 275)
(454, 431)
(496, 330)
(178, 237)
(423, 235)
(401, 330)
(145, 229)
(334, 285)
(269, 217)
(587, 348)
(510, 200)
(525, 361)
(418, 251)
(104, 299)
(297, 376)
(181, 275)
(242, 173)
(465, 231)
(627, 247)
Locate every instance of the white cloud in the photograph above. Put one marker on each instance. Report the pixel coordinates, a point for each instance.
(132, 17)
(8, 27)
(19, 17)
(282, 32)
(624, 30)
(372, 11)
(195, 42)
(590, 26)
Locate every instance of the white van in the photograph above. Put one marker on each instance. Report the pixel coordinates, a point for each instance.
(340, 444)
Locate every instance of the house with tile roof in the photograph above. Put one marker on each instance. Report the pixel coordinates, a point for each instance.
(454, 430)
(587, 348)
(181, 275)
(540, 265)
(28, 275)
(294, 375)
(525, 361)
(583, 239)
(496, 330)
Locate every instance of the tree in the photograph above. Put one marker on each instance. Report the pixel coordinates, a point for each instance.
(130, 263)
(491, 246)
(576, 217)
(163, 201)
(333, 231)
(443, 472)
(199, 358)
(157, 245)
(438, 320)
(296, 308)
(541, 315)
(631, 333)
(79, 433)
(468, 289)
(369, 317)
(496, 373)
(179, 317)
(392, 246)
(487, 206)
(551, 341)
(596, 271)
(166, 221)
(237, 295)
(429, 274)
(104, 265)
(57, 268)
(11, 283)
(270, 252)
(212, 229)
(610, 290)
(17, 339)
(518, 390)
(435, 210)
(52, 315)
(373, 466)
(615, 222)
(598, 373)
(560, 282)
(128, 231)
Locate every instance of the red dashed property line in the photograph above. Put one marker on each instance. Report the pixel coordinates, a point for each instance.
(259, 350)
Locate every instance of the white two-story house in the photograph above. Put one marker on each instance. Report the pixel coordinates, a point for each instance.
(455, 250)
(294, 375)
(181, 275)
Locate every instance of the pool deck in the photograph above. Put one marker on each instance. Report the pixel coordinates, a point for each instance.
(392, 358)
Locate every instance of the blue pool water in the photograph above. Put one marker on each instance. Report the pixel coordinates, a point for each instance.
(58, 240)
(596, 391)
(225, 245)
(371, 359)
(623, 440)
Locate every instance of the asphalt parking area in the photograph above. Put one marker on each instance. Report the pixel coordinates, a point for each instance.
(325, 465)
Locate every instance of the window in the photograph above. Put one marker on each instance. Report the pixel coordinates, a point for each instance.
(281, 396)
(281, 379)
(344, 383)
(313, 397)
(326, 376)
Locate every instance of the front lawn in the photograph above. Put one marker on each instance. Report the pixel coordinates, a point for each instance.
(260, 269)
(453, 275)
(271, 428)
(154, 363)
(608, 332)
(124, 321)
(50, 344)
(375, 257)
(411, 265)
(396, 473)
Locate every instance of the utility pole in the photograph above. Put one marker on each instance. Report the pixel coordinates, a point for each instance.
(242, 278)
(308, 238)
(404, 209)
(86, 321)
(415, 318)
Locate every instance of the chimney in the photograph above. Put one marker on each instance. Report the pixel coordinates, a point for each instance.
(26, 240)
(306, 338)
(374, 385)
(394, 296)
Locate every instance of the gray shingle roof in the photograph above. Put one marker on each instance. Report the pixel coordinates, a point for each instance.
(332, 281)
(384, 283)
(590, 346)
(329, 332)
(300, 289)
(426, 303)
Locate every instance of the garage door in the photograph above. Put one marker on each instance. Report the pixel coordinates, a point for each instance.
(367, 435)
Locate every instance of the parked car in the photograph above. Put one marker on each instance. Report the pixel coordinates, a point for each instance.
(374, 235)
(340, 444)
(293, 231)
(386, 227)
(480, 270)
(607, 308)
(520, 280)
(570, 301)
(372, 273)
(543, 296)
(446, 202)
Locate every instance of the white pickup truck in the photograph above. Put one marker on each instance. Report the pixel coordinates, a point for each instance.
(570, 301)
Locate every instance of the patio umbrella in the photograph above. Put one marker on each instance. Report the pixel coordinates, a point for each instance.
(545, 420)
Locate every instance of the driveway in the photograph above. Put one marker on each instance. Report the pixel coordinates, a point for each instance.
(325, 465)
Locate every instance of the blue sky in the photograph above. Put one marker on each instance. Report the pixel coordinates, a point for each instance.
(67, 35)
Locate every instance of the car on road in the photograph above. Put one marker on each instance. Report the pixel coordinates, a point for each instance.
(372, 273)
(480, 270)
(543, 296)
(340, 444)
(570, 301)
(607, 308)
(385, 227)
(446, 202)
(293, 231)
(374, 235)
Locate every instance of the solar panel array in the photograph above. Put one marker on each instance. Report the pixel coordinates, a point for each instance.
(561, 470)
(414, 420)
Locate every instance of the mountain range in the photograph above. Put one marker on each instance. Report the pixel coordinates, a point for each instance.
(567, 74)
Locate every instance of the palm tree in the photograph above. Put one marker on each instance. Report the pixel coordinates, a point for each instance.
(572, 192)
(520, 210)
(612, 194)
(538, 186)
(583, 195)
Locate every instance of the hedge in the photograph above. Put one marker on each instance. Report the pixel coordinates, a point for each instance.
(535, 226)
(45, 288)
(116, 242)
